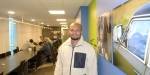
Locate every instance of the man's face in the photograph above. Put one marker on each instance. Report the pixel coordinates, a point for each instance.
(75, 32)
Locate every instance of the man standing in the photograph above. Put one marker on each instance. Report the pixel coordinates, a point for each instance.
(75, 56)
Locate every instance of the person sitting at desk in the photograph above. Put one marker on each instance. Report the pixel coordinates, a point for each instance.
(39, 46)
(28, 44)
(45, 53)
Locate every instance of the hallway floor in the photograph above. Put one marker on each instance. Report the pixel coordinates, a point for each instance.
(46, 69)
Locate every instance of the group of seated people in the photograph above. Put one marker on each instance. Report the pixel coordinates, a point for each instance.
(46, 51)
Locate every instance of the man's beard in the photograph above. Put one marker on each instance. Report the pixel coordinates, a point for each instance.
(75, 38)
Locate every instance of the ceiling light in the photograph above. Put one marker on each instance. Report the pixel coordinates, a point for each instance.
(64, 23)
(61, 20)
(56, 12)
(48, 25)
(32, 20)
(42, 22)
(11, 12)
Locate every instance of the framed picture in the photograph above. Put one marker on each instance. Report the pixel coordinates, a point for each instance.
(104, 28)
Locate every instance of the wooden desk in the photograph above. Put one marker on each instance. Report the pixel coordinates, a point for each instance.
(10, 63)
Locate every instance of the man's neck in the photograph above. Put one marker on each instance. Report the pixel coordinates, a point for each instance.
(74, 42)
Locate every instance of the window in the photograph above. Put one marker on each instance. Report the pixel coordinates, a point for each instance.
(12, 34)
(137, 37)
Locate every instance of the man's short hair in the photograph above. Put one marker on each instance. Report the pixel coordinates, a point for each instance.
(77, 24)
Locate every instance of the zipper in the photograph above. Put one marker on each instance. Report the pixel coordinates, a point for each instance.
(71, 60)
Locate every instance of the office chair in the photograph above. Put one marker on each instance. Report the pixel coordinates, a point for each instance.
(32, 64)
(23, 69)
(8, 53)
(15, 51)
(2, 55)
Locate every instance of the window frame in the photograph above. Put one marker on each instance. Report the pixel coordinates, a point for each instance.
(127, 33)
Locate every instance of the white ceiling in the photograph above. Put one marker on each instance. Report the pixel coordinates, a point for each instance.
(38, 9)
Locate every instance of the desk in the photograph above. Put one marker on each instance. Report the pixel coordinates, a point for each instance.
(11, 62)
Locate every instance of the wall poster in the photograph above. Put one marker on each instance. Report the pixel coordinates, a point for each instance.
(104, 31)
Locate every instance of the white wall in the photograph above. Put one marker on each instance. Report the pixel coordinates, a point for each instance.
(27, 31)
(4, 35)
(24, 32)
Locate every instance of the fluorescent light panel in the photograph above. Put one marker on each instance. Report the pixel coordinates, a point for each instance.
(48, 25)
(63, 23)
(56, 12)
(42, 22)
(61, 20)
(32, 20)
(11, 12)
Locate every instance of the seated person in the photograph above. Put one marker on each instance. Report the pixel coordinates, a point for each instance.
(28, 44)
